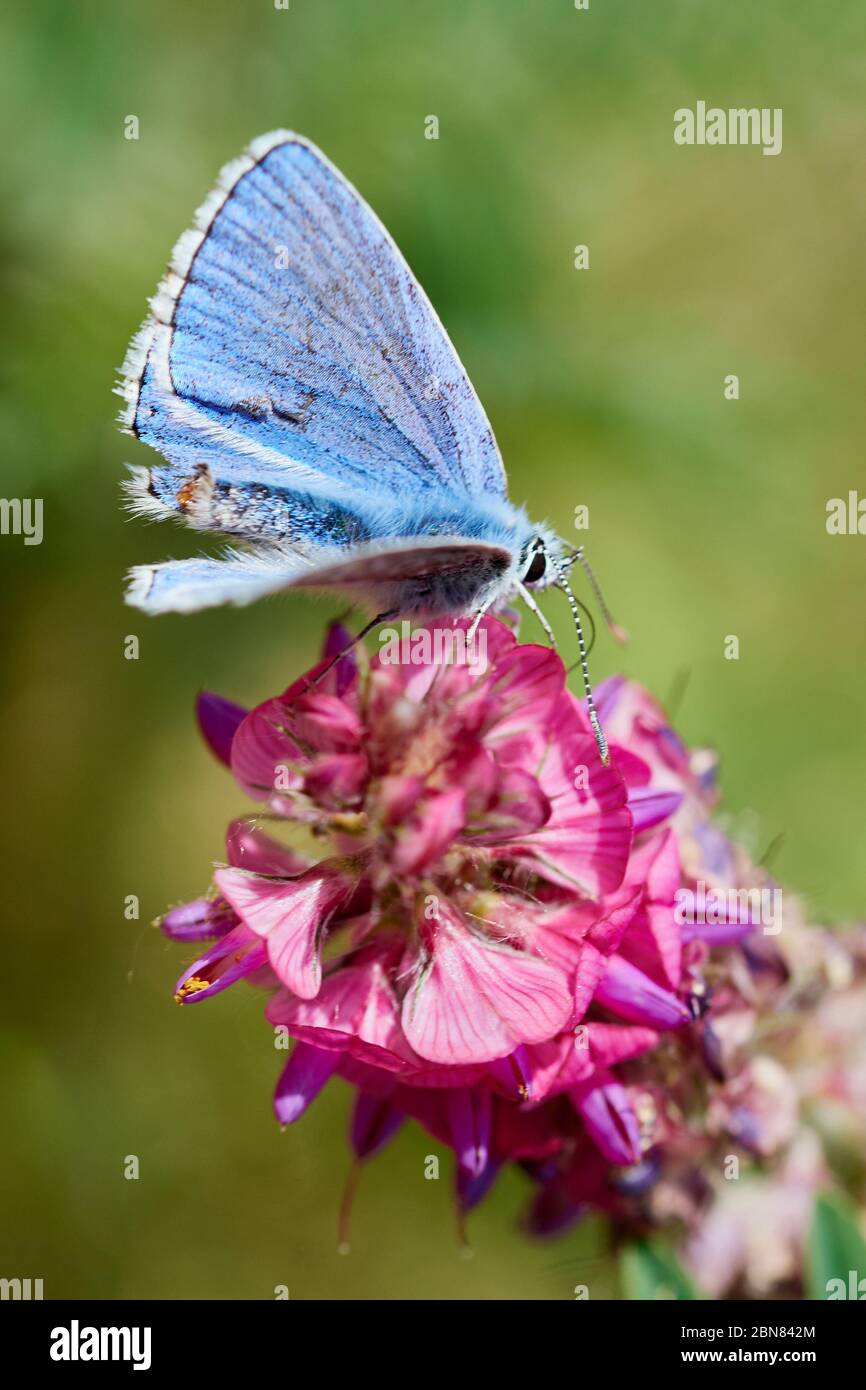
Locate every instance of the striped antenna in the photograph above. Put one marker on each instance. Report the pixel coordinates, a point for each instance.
(584, 667)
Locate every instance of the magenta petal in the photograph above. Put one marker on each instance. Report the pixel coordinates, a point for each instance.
(474, 999)
(610, 1121)
(374, 1122)
(634, 996)
(553, 1211)
(654, 941)
(514, 1074)
(610, 1043)
(336, 780)
(397, 796)
(527, 683)
(266, 761)
(602, 939)
(291, 915)
(344, 673)
(469, 1116)
(520, 808)
(731, 921)
(201, 920)
(473, 1187)
(586, 839)
(716, 933)
(608, 931)
(326, 723)
(218, 719)
(301, 1080)
(355, 1010)
(650, 807)
(430, 830)
(235, 955)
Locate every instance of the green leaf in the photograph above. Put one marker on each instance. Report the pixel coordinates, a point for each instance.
(649, 1270)
(836, 1247)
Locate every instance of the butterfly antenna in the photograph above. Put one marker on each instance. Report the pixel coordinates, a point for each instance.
(590, 646)
(584, 668)
(344, 651)
(578, 557)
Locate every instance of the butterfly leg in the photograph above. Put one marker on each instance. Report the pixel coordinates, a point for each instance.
(534, 608)
(374, 622)
(473, 627)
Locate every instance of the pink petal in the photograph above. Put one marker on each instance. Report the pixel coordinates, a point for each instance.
(546, 1062)
(602, 939)
(474, 1000)
(523, 686)
(356, 1010)
(336, 780)
(428, 831)
(590, 971)
(576, 1057)
(610, 1043)
(248, 847)
(266, 760)
(291, 915)
(397, 797)
(586, 840)
(519, 808)
(654, 941)
(325, 723)
(634, 771)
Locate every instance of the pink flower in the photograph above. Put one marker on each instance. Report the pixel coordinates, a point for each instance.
(489, 938)
(441, 793)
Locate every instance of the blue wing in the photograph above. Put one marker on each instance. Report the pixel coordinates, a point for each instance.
(291, 347)
(380, 574)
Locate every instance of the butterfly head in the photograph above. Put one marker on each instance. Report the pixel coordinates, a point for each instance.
(540, 561)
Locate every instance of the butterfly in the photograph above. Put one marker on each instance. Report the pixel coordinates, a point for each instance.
(310, 407)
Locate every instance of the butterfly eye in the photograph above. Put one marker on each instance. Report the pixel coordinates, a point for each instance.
(537, 568)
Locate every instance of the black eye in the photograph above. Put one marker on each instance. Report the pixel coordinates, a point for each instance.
(537, 567)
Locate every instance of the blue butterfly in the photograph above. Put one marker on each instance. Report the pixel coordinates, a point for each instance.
(308, 402)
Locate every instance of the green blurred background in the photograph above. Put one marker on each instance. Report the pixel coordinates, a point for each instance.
(605, 387)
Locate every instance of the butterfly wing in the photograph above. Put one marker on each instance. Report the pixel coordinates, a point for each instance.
(290, 346)
(381, 574)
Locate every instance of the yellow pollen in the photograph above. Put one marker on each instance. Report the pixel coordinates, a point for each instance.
(190, 986)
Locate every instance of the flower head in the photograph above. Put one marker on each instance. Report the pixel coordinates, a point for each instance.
(460, 910)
